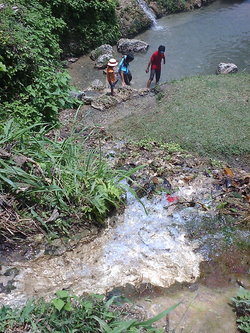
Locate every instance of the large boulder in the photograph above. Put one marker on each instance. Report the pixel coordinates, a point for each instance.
(132, 19)
(101, 55)
(125, 45)
(77, 94)
(102, 61)
(97, 85)
(101, 50)
(226, 68)
(90, 96)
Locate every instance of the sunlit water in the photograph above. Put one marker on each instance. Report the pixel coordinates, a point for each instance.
(196, 42)
(152, 248)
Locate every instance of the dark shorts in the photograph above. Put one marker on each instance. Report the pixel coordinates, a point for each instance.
(127, 77)
(156, 73)
(112, 85)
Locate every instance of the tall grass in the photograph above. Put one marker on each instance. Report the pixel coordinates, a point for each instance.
(45, 175)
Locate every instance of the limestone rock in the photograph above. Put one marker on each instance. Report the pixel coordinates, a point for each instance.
(131, 17)
(155, 7)
(102, 60)
(226, 68)
(97, 85)
(101, 50)
(90, 96)
(104, 102)
(125, 45)
(77, 94)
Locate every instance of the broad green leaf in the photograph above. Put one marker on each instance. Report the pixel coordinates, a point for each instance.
(110, 301)
(68, 307)
(62, 294)
(58, 303)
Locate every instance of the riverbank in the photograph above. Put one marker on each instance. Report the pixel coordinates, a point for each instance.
(197, 210)
(194, 233)
(133, 19)
(208, 115)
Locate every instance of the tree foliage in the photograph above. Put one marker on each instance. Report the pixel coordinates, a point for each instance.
(33, 84)
(88, 23)
(173, 6)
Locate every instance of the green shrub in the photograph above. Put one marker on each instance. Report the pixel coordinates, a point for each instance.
(45, 174)
(23, 113)
(173, 6)
(69, 313)
(28, 39)
(33, 86)
(241, 304)
(41, 101)
(88, 24)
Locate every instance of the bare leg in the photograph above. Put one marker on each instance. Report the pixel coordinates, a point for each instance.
(157, 77)
(149, 83)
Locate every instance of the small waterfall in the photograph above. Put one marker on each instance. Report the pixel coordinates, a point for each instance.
(150, 14)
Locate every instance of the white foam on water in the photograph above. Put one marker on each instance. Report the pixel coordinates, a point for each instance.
(141, 248)
(150, 14)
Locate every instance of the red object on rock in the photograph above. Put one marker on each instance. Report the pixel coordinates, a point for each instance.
(171, 198)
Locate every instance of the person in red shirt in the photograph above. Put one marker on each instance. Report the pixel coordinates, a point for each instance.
(155, 63)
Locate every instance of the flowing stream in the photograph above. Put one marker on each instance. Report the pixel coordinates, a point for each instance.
(144, 251)
(143, 248)
(155, 249)
(196, 42)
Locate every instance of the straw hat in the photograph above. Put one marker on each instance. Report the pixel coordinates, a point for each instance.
(112, 62)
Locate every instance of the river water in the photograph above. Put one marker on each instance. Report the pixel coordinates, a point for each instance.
(196, 42)
(146, 253)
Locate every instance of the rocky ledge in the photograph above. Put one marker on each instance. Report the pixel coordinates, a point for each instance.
(133, 19)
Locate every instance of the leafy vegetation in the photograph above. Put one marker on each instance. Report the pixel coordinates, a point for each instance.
(88, 24)
(69, 313)
(173, 6)
(241, 304)
(149, 144)
(33, 84)
(46, 174)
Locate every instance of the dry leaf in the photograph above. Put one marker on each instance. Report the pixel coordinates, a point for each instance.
(228, 172)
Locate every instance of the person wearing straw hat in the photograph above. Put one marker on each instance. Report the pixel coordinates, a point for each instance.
(111, 74)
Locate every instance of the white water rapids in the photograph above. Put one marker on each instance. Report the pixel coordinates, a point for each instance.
(141, 248)
(150, 14)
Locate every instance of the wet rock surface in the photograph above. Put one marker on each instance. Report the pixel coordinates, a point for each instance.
(101, 50)
(126, 45)
(165, 239)
(131, 17)
(173, 248)
(99, 97)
